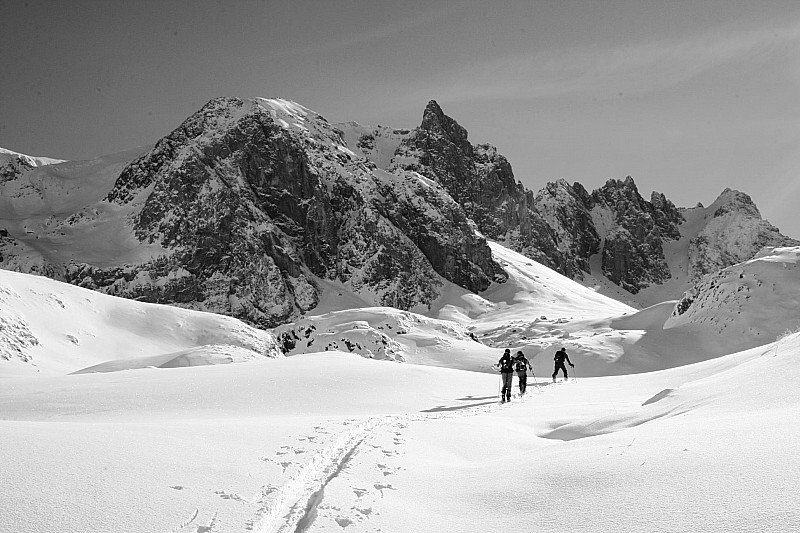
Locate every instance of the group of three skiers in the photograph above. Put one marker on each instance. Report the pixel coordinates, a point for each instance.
(521, 365)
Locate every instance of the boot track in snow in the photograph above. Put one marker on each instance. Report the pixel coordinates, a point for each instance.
(292, 507)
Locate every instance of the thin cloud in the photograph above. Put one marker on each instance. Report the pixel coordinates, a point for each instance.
(373, 34)
(603, 73)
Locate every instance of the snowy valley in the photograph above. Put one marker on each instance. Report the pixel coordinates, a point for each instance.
(168, 437)
(312, 318)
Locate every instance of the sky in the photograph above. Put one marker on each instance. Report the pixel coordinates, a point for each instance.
(688, 98)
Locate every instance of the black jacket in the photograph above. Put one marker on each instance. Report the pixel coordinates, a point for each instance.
(560, 356)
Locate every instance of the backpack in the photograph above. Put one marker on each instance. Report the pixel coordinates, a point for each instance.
(521, 364)
(506, 364)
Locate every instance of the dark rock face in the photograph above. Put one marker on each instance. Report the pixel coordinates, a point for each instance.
(481, 181)
(567, 211)
(561, 226)
(633, 255)
(633, 264)
(556, 226)
(439, 228)
(250, 207)
(14, 166)
(252, 201)
(206, 194)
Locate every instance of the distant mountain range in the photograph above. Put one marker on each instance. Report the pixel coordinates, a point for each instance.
(259, 208)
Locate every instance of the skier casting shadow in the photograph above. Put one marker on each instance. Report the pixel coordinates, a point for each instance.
(506, 364)
(522, 365)
(559, 358)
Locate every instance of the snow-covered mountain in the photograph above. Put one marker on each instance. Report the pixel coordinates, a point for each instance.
(750, 303)
(260, 208)
(41, 229)
(333, 440)
(13, 164)
(251, 205)
(609, 235)
(50, 327)
(366, 247)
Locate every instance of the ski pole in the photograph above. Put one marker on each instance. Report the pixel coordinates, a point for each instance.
(499, 383)
(538, 388)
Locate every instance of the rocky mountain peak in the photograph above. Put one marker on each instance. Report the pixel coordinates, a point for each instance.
(633, 232)
(482, 182)
(566, 209)
(731, 200)
(623, 193)
(437, 124)
(734, 232)
(256, 204)
(13, 164)
(254, 207)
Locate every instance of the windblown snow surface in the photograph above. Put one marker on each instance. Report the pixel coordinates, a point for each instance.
(115, 416)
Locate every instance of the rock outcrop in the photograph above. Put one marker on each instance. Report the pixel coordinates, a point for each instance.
(482, 182)
(634, 231)
(253, 201)
(252, 206)
(567, 210)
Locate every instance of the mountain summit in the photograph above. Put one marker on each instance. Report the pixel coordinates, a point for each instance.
(251, 206)
(263, 210)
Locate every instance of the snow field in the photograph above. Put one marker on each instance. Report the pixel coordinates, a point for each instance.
(333, 441)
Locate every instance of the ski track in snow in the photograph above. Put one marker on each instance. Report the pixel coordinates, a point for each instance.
(292, 507)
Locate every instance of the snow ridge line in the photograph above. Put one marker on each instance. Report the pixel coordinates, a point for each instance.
(312, 478)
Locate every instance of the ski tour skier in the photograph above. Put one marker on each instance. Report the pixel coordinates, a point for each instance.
(506, 364)
(522, 365)
(559, 358)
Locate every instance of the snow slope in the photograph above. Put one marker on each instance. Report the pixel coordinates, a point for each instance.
(536, 309)
(50, 328)
(727, 232)
(333, 441)
(748, 302)
(377, 144)
(28, 160)
(156, 435)
(56, 214)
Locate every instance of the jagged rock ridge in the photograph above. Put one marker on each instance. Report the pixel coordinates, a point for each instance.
(560, 226)
(14, 164)
(253, 200)
(563, 226)
(734, 233)
(250, 204)
(482, 182)
(633, 255)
